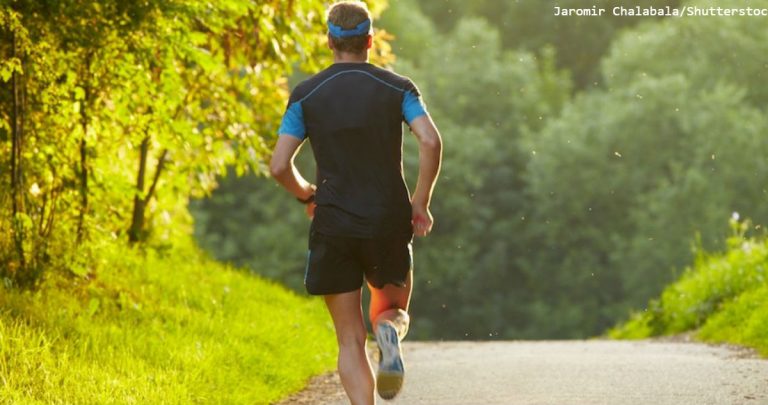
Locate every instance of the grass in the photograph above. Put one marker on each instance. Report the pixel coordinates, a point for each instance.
(171, 328)
(722, 298)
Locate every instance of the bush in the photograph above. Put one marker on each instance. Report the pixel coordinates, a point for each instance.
(723, 297)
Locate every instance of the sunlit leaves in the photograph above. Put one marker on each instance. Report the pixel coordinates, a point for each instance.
(201, 83)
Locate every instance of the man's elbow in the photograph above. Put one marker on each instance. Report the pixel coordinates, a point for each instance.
(432, 143)
(278, 169)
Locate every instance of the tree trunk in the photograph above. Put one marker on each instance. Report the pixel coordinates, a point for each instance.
(17, 137)
(137, 220)
(84, 152)
(136, 232)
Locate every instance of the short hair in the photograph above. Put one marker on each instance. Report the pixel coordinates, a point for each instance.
(348, 14)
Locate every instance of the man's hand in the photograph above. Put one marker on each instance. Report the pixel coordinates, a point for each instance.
(311, 210)
(422, 220)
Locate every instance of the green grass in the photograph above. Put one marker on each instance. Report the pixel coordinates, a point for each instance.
(721, 298)
(174, 328)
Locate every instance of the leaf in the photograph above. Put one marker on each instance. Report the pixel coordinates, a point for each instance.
(93, 306)
(79, 93)
(8, 67)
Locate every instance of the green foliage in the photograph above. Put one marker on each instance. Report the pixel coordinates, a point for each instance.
(709, 53)
(116, 113)
(415, 32)
(171, 328)
(660, 158)
(253, 223)
(742, 321)
(485, 119)
(579, 42)
(670, 179)
(722, 297)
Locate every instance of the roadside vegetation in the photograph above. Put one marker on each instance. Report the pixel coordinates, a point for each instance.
(722, 298)
(159, 328)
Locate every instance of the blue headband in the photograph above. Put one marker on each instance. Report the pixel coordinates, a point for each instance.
(362, 29)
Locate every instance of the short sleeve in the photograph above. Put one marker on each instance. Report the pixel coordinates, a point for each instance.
(413, 106)
(293, 121)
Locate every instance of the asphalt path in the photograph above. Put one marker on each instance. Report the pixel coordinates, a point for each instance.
(597, 372)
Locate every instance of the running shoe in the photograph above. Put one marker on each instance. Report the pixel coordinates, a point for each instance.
(389, 379)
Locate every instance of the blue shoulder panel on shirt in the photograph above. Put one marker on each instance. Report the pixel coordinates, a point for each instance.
(412, 107)
(293, 122)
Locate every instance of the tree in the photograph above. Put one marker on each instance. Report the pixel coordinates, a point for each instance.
(623, 182)
(479, 205)
(118, 112)
(579, 42)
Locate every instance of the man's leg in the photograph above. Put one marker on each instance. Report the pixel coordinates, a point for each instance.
(390, 321)
(390, 303)
(354, 368)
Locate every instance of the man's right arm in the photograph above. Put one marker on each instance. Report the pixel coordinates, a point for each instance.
(430, 158)
(291, 136)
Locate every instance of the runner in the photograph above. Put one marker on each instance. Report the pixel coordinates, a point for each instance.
(363, 217)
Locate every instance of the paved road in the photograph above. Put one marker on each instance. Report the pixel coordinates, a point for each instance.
(579, 373)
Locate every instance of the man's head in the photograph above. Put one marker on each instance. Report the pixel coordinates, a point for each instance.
(349, 27)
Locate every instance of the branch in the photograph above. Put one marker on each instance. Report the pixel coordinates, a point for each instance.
(160, 165)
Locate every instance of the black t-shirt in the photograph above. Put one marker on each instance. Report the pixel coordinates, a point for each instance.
(352, 113)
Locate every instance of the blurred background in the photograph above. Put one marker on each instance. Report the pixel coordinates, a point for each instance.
(587, 162)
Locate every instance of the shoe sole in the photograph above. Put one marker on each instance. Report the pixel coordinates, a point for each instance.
(389, 379)
(389, 385)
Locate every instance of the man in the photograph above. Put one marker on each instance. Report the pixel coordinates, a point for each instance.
(363, 217)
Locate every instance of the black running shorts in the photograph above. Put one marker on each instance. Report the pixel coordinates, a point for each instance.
(339, 264)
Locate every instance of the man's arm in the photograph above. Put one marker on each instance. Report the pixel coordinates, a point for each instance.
(430, 157)
(282, 168)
